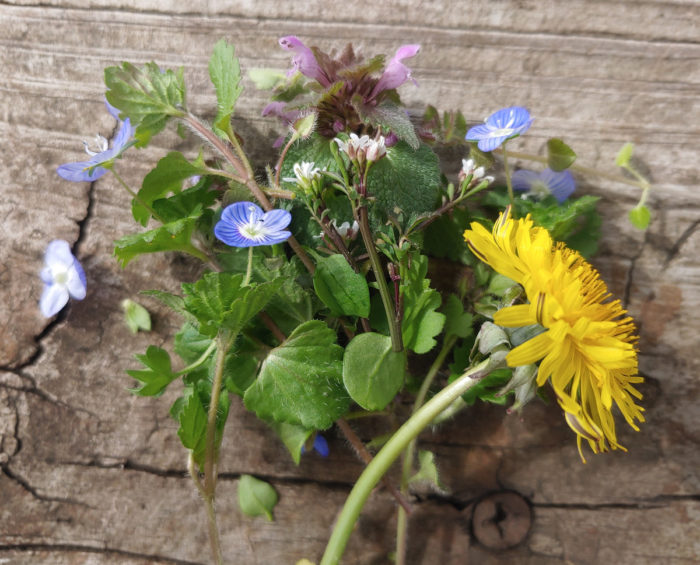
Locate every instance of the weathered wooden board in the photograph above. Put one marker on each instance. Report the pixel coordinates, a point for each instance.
(91, 474)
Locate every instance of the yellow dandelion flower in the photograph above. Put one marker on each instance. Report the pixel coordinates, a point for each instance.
(587, 352)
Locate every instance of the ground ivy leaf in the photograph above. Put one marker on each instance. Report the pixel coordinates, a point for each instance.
(372, 372)
(193, 426)
(340, 288)
(174, 236)
(559, 155)
(256, 497)
(157, 376)
(166, 177)
(300, 380)
(225, 74)
(147, 95)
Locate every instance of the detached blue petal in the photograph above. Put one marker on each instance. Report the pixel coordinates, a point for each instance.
(63, 277)
(321, 446)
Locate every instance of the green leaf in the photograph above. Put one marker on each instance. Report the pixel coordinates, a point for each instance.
(640, 216)
(189, 203)
(157, 376)
(405, 179)
(300, 380)
(372, 372)
(225, 74)
(174, 236)
(166, 177)
(391, 117)
(457, 322)
(136, 316)
(267, 79)
(239, 372)
(256, 497)
(193, 426)
(427, 470)
(421, 321)
(559, 155)
(293, 436)
(340, 288)
(624, 155)
(218, 300)
(147, 95)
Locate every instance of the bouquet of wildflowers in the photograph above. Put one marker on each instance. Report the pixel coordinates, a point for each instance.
(315, 302)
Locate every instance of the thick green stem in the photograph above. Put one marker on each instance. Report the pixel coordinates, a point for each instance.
(389, 308)
(407, 463)
(388, 454)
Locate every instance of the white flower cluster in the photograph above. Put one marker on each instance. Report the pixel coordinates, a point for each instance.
(358, 147)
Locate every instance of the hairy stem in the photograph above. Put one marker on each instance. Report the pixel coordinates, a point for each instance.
(509, 182)
(388, 454)
(389, 308)
(137, 197)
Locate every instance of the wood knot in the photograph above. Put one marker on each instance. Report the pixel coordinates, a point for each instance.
(501, 520)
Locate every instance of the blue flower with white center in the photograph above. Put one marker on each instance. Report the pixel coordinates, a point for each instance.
(244, 224)
(102, 156)
(560, 185)
(500, 126)
(63, 278)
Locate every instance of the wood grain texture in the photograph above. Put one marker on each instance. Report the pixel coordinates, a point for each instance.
(91, 474)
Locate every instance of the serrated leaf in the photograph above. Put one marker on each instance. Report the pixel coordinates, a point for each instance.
(559, 155)
(372, 372)
(193, 426)
(421, 321)
(256, 497)
(157, 376)
(172, 301)
(640, 216)
(293, 437)
(136, 316)
(457, 322)
(166, 177)
(624, 155)
(340, 288)
(174, 236)
(147, 95)
(218, 300)
(225, 74)
(300, 380)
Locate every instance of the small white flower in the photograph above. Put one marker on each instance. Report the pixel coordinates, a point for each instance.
(376, 149)
(346, 230)
(304, 174)
(353, 145)
(63, 278)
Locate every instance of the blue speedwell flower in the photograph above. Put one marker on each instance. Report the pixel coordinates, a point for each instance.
(560, 185)
(500, 126)
(244, 224)
(320, 446)
(94, 168)
(63, 278)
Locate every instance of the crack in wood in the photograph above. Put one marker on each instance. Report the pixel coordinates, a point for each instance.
(33, 492)
(676, 247)
(76, 548)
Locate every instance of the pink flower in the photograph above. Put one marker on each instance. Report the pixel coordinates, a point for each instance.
(304, 60)
(396, 73)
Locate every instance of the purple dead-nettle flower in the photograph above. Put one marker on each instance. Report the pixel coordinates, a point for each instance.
(101, 157)
(500, 126)
(304, 60)
(560, 185)
(396, 73)
(63, 278)
(244, 224)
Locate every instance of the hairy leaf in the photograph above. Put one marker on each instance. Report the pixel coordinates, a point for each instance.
(340, 288)
(256, 497)
(225, 74)
(157, 376)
